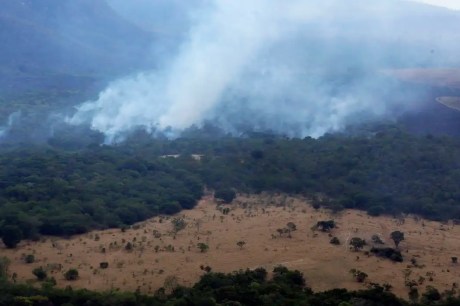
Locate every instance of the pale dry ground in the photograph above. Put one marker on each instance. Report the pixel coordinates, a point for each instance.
(439, 77)
(325, 266)
(452, 102)
(444, 77)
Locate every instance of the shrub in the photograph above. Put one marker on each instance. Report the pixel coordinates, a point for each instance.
(375, 211)
(40, 273)
(390, 253)
(30, 258)
(11, 236)
(376, 239)
(227, 195)
(335, 241)
(129, 246)
(71, 274)
(359, 276)
(325, 226)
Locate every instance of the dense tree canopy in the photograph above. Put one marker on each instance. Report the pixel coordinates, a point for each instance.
(250, 287)
(60, 193)
(11, 235)
(45, 190)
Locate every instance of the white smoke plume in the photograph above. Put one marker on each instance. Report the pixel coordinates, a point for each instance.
(12, 119)
(298, 67)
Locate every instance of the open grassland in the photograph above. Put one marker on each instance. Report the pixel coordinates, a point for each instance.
(162, 256)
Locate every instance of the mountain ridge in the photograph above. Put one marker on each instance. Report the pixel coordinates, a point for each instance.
(77, 37)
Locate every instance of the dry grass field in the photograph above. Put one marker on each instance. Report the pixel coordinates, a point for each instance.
(162, 257)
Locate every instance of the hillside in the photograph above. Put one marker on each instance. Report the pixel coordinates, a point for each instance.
(159, 253)
(56, 37)
(58, 192)
(360, 206)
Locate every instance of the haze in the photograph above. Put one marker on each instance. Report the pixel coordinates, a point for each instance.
(298, 68)
(451, 4)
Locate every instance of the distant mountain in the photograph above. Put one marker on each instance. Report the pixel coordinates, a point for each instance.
(49, 37)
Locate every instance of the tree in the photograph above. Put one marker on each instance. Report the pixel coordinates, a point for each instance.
(325, 226)
(359, 276)
(4, 267)
(241, 244)
(11, 236)
(280, 231)
(389, 253)
(30, 258)
(40, 273)
(376, 239)
(397, 237)
(413, 294)
(49, 283)
(207, 269)
(71, 274)
(431, 295)
(335, 241)
(357, 243)
(129, 246)
(281, 274)
(291, 226)
(178, 224)
(203, 247)
(170, 283)
(316, 205)
(227, 195)
(257, 154)
(375, 211)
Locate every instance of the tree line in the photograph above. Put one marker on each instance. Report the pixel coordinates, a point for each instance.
(54, 191)
(249, 287)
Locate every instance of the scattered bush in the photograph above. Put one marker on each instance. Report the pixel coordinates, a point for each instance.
(30, 258)
(225, 194)
(71, 275)
(40, 273)
(335, 241)
(389, 253)
(129, 246)
(376, 239)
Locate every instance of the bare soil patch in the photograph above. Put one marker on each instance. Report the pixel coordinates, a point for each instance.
(160, 256)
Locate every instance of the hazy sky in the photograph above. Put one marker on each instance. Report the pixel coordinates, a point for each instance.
(452, 4)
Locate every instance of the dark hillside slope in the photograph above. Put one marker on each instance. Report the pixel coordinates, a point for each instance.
(41, 38)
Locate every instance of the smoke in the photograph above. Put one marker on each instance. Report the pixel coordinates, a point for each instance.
(13, 118)
(297, 67)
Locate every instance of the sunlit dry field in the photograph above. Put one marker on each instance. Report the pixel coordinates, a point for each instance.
(162, 257)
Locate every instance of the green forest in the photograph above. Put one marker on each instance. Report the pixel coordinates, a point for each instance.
(250, 287)
(48, 190)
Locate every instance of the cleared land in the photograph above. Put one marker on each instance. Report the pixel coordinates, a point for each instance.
(160, 256)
